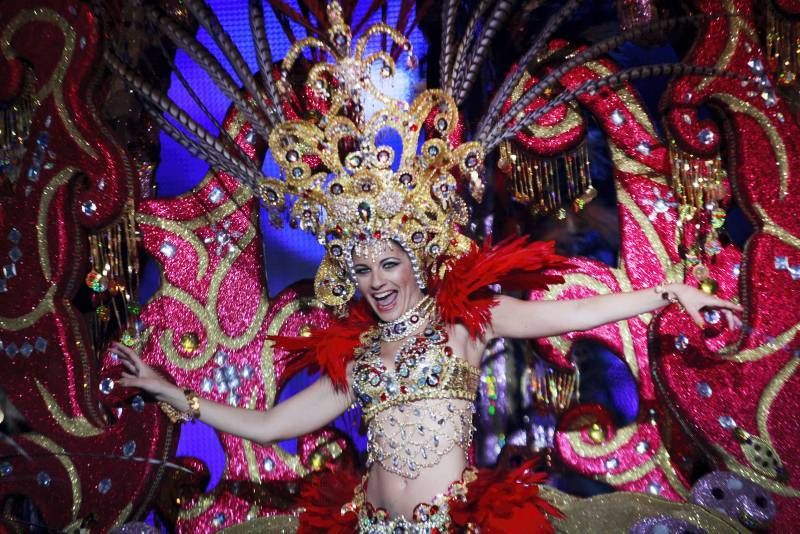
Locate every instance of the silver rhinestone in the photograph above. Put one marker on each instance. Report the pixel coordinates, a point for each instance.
(233, 399)
(215, 196)
(26, 349)
(681, 342)
(207, 385)
(756, 66)
(734, 484)
(688, 97)
(737, 269)
(642, 447)
(14, 235)
(706, 136)
(6, 469)
(137, 403)
(41, 344)
(230, 372)
(222, 387)
(712, 316)
(12, 350)
(794, 272)
(101, 184)
(247, 372)
(88, 207)
(104, 486)
(780, 117)
(269, 464)
(82, 42)
(704, 390)
(106, 386)
(643, 148)
(3, 285)
(661, 206)
(687, 119)
(727, 422)
(654, 488)
(250, 137)
(43, 479)
(612, 463)
(129, 448)
(167, 249)
(781, 262)
(15, 254)
(221, 357)
(10, 270)
(617, 117)
(219, 519)
(219, 378)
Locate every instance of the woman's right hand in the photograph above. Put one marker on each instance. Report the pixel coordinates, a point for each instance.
(140, 375)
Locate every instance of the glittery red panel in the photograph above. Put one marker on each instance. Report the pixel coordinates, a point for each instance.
(84, 455)
(763, 167)
(792, 7)
(620, 114)
(208, 244)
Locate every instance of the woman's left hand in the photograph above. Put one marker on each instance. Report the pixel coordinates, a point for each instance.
(694, 300)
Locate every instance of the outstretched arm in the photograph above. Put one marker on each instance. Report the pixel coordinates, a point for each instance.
(309, 410)
(531, 319)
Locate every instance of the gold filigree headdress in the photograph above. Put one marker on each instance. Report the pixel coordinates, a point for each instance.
(350, 186)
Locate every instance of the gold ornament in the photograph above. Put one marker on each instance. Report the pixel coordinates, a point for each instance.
(190, 342)
(596, 433)
(350, 187)
(709, 286)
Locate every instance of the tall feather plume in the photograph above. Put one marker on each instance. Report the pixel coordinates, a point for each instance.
(507, 87)
(449, 10)
(209, 21)
(465, 44)
(203, 140)
(496, 20)
(633, 73)
(206, 60)
(255, 11)
(493, 126)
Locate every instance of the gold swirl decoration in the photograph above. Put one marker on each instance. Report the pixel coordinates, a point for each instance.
(63, 457)
(75, 426)
(55, 83)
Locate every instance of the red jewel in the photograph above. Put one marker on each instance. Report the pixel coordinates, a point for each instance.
(383, 396)
(377, 235)
(404, 219)
(362, 237)
(413, 127)
(448, 351)
(403, 389)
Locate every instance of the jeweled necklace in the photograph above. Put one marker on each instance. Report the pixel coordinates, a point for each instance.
(408, 323)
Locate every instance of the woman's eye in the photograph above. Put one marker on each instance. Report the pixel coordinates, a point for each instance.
(389, 265)
(359, 272)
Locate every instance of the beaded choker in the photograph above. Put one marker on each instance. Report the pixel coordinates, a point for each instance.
(408, 323)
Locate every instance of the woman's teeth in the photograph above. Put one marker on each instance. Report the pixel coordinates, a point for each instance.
(385, 300)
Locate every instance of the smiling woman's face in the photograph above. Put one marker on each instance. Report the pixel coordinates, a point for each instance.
(386, 279)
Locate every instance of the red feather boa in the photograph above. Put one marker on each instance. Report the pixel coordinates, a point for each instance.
(462, 296)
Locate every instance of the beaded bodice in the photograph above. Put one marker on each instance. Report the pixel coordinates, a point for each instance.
(418, 411)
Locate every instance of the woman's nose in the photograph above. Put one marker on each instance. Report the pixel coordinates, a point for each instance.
(376, 280)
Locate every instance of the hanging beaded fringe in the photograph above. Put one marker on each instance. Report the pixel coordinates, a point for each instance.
(537, 181)
(114, 280)
(783, 44)
(16, 116)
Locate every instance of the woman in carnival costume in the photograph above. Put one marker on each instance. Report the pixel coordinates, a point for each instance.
(409, 351)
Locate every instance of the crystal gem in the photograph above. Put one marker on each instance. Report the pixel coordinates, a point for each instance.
(221, 357)
(11, 350)
(612, 463)
(712, 316)
(207, 385)
(3, 285)
(137, 403)
(737, 268)
(441, 124)
(642, 447)
(727, 422)
(190, 342)
(10, 270)
(104, 486)
(617, 117)
(643, 148)
(26, 349)
(681, 342)
(215, 196)
(15, 254)
(756, 66)
(167, 249)
(6, 469)
(41, 344)
(654, 488)
(106, 386)
(250, 137)
(706, 136)
(704, 390)
(297, 172)
(433, 150)
(269, 464)
(781, 262)
(219, 519)
(43, 479)
(88, 207)
(129, 448)
(14, 235)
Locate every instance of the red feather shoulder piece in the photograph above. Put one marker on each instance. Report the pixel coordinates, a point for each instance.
(327, 349)
(463, 295)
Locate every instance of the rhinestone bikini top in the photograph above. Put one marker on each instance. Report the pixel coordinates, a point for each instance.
(418, 411)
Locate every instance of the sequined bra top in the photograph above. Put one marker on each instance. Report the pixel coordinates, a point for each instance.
(418, 411)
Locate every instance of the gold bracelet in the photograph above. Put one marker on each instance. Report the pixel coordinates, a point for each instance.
(667, 296)
(177, 416)
(194, 404)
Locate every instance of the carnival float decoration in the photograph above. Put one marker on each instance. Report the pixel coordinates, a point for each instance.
(77, 214)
